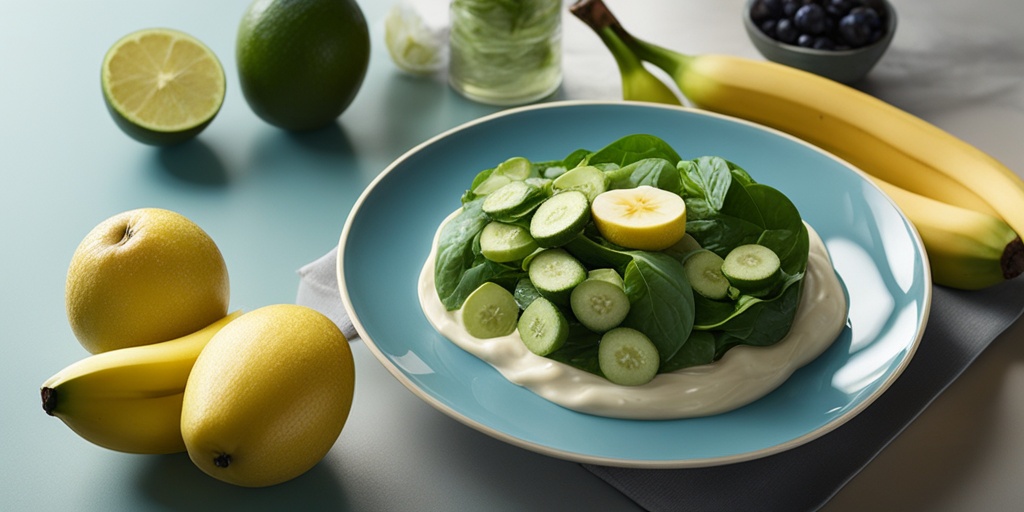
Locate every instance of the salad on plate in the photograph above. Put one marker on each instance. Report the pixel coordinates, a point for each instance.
(629, 282)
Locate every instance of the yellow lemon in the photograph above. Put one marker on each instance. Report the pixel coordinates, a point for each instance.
(644, 217)
(144, 276)
(268, 396)
(162, 86)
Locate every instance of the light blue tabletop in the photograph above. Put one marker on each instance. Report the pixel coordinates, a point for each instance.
(274, 201)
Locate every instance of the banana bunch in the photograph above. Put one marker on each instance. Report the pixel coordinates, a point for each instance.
(967, 207)
(129, 399)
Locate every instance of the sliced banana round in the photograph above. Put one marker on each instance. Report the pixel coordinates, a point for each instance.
(645, 217)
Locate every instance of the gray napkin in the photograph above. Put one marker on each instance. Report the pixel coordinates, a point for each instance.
(960, 327)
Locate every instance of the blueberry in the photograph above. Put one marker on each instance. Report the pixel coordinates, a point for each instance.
(768, 27)
(766, 10)
(838, 8)
(823, 43)
(810, 19)
(786, 31)
(830, 25)
(855, 30)
(871, 16)
(805, 40)
(789, 7)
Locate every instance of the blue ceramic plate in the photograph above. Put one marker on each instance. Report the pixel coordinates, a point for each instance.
(875, 250)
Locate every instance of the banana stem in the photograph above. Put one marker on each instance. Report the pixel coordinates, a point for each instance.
(1012, 261)
(598, 17)
(49, 396)
(638, 84)
(594, 13)
(627, 61)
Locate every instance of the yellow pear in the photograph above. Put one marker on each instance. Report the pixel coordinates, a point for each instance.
(268, 396)
(144, 276)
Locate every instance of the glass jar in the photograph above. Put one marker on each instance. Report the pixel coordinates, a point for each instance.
(505, 52)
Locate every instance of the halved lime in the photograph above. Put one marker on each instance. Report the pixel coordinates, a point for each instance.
(162, 86)
(415, 46)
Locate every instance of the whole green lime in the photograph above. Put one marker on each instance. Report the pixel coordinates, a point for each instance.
(301, 62)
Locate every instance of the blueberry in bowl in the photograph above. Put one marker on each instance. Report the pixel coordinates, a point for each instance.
(837, 39)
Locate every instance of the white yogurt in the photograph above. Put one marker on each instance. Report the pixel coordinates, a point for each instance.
(743, 375)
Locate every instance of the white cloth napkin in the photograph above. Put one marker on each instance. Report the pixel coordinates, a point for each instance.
(961, 325)
(318, 289)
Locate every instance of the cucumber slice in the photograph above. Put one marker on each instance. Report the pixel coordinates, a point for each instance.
(560, 218)
(513, 201)
(490, 311)
(599, 305)
(543, 327)
(587, 179)
(502, 243)
(751, 267)
(541, 183)
(704, 271)
(683, 247)
(607, 274)
(516, 168)
(525, 265)
(555, 272)
(553, 172)
(491, 183)
(627, 357)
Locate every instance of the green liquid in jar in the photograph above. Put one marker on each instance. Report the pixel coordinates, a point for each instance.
(505, 52)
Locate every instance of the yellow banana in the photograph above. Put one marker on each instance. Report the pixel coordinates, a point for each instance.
(129, 399)
(873, 135)
(880, 139)
(966, 249)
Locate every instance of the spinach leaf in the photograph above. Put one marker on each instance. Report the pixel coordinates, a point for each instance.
(763, 323)
(590, 250)
(525, 293)
(575, 159)
(706, 178)
(699, 349)
(660, 301)
(632, 148)
(580, 350)
(654, 172)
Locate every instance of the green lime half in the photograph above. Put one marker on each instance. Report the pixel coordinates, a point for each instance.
(162, 86)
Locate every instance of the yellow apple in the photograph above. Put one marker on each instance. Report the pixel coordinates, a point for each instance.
(144, 276)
